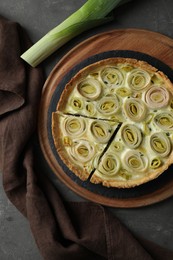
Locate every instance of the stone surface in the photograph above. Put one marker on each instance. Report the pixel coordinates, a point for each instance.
(16, 240)
(38, 17)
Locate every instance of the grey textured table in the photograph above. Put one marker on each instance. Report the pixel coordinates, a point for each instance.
(38, 17)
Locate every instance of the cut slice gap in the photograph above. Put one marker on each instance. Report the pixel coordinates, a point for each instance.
(110, 141)
(80, 141)
(106, 148)
(90, 117)
(91, 174)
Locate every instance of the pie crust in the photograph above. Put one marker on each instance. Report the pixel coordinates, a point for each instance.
(113, 123)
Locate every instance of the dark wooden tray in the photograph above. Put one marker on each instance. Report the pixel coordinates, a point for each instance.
(145, 45)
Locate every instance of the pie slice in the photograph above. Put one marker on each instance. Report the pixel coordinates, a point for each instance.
(133, 157)
(81, 141)
(136, 97)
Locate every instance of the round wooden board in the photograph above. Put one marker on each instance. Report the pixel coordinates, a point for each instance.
(151, 43)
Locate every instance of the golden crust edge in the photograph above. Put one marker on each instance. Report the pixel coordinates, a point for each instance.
(56, 133)
(132, 183)
(110, 61)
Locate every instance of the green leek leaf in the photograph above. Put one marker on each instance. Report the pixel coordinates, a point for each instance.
(90, 15)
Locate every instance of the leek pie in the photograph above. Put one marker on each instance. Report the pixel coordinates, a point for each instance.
(114, 123)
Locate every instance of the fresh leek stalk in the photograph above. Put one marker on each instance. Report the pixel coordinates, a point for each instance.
(90, 15)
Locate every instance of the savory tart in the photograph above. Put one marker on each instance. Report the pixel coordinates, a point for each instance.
(81, 141)
(114, 123)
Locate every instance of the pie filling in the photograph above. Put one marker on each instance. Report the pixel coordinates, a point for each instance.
(114, 123)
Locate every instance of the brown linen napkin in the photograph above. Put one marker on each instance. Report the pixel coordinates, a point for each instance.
(62, 230)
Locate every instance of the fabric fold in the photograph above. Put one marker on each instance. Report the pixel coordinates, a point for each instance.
(12, 71)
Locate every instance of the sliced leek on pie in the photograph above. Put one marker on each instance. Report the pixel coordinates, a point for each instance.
(138, 79)
(114, 123)
(80, 141)
(164, 121)
(135, 109)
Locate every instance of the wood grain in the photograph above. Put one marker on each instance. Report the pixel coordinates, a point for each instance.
(151, 43)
